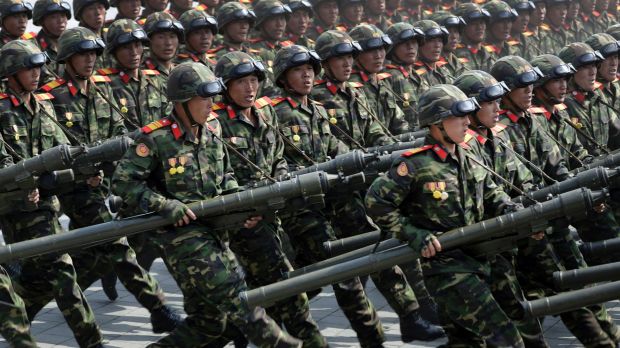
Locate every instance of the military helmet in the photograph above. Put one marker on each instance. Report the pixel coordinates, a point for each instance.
(292, 56)
(334, 43)
(614, 31)
(604, 43)
(522, 5)
(78, 40)
(580, 54)
(20, 54)
(481, 85)
(158, 22)
(234, 11)
(550, 3)
(432, 30)
(124, 31)
(191, 79)
(552, 68)
(442, 101)
(299, 5)
(370, 37)
(11, 7)
(447, 19)
(515, 71)
(500, 11)
(316, 3)
(266, 9)
(79, 5)
(403, 31)
(193, 20)
(470, 12)
(43, 8)
(237, 64)
(344, 3)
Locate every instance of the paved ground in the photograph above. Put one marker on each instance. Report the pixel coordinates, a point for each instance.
(126, 324)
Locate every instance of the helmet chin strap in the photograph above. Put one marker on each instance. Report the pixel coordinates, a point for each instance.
(444, 134)
(476, 122)
(549, 96)
(514, 104)
(75, 74)
(230, 100)
(192, 121)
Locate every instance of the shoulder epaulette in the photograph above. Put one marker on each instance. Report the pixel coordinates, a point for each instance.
(440, 63)
(212, 116)
(28, 36)
(215, 49)
(545, 27)
(319, 82)
(341, 28)
(499, 127)
(528, 33)
(141, 21)
(412, 152)
(218, 106)
(51, 85)
(156, 125)
(489, 48)
(150, 72)
(355, 84)
(251, 50)
(383, 75)
(3, 96)
(108, 71)
(286, 43)
(513, 42)
(315, 102)
(420, 71)
(560, 106)
(277, 101)
(262, 102)
(256, 40)
(201, 7)
(460, 45)
(598, 85)
(536, 110)
(43, 96)
(100, 78)
(468, 138)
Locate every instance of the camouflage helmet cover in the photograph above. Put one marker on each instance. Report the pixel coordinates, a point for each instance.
(300, 5)
(11, 7)
(237, 64)
(436, 104)
(266, 9)
(43, 8)
(193, 20)
(78, 40)
(606, 44)
(513, 69)
(472, 82)
(79, 5)
(292, 56)
(579, 54)
(472, 12)
(124, 31)
(233, 11)
(522, 5)
(191, 79)
(402, 32)
(370, 37)
(614, 31)
(158, 22)
(20, 54)
(500, 11)
(432, 29)
(334, 43)
(447, 19)
(552, 68)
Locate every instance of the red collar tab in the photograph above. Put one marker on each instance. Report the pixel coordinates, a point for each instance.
(176, 131)
(332, 87)
(124, 77)
(440, 152)
(579, 96)
(72, 89)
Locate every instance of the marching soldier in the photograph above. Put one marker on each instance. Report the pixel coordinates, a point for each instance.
(179, 7)
(199, 30)
(91, 14)
(325, 18)
(471, 51)
(499, 29)
(299, 22)
(126, 9)
(150, 7)
(234, 22)
(14, 15)
(520, 32)
(607, 70)
(14, 324)
(52, 17)
(374, 11)
(558, 36)
(454, 25)
(165, 34)
(351, 13)
(430, 66)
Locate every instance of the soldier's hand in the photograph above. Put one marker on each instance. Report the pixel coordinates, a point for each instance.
(177, 213)
(252, 222)
(538, 235)
(600, 208)
(431, 248)
(94, 181)
(33, 196)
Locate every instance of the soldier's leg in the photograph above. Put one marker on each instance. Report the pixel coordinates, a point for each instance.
(259, 251)
(473, 315)
(428, 307)
(14, 323)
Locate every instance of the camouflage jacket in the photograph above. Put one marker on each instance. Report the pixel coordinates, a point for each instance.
(382, 22)
(43, 42)
(186, 55)
(555, 124)
(456, 66)
(577, 30)
(142, 100)
(408, 85)
(86, 114)
(527, 45)
(529, 141)
(611, 91)
(220, 50)
(162, 77)
(429, 191)
(306, 132)
(6, 38)
(260, 143)
(301, 40)
(266, 51)
(382, 102)
(495, 156)
(590, 113)
(555, 40)
(441, 73)
(317, 28)
(591, 24)
(509, 47)
(474, 58)
(346, 116)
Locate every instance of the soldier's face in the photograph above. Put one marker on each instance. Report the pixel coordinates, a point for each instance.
(156, 5)
(328, 12)
(456, 128)
(488, 113)
(298, 22)
(164, 45)
(573, 10)
(82, 64)
(375, 7)
(392, 4)
(353, 12)
(602, 5)
(199, 107)
(340, 67)
(474, 31)
(539, 13)
(500, 30)
(522, 97)
(200, 40)
(130, 8)
(557, 14)
(128, 55)
(587, 6)
(55, 24)
(556, 89)
(453, 39)
(29, 78)
(431, 49)
(274, 27)
(210, 3)
(243, 91)
(183, 4)
(407, 52)
(237, 31)
(585, 77)
(608, 69)
(372, 61)
(16, 24)
(300, 79)
(520, 25)
(93, 16)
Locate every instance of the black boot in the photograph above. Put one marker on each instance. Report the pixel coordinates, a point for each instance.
(108, 282)
(428, 310)
(413, 327)
(164, 319)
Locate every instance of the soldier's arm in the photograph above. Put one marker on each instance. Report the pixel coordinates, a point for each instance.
(553, 162)
(5, 159)
(279, 166)
(229, 182)
(614, 131)
(60, 137)
(118, 121)
(398, 124)
(495, 199)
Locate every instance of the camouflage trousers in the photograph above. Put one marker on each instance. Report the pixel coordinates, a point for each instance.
(209, 274)
(536, 262)
(14, 324)
(51, 275)
(601, 227)
(307, 231)
(470, 315)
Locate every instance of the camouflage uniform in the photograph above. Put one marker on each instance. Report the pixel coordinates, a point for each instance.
(259, 249)
(404, 80)
(29, 129)
(440, 73)
(300, 5)
(608, 47)
(557, 36)
(382, 100)
(472, 56)
(450, 22)
(12, 7)
(232, 11)
(318, 27)
(458, 281)
(526, 43)
(103, 61)
(14, 323)
(204, 267)
(500, 11)
(43, 8)
(193, 20)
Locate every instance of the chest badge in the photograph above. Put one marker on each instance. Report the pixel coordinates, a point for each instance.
(142, 150)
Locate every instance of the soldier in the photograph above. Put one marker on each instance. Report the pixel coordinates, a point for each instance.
(520, 32)
(91, 14)
(209, 6)
(351, 13)
(178, 7)
(498, 42)
(454, 25)
(471, 51)
(382, 100)
(150, 7)
(588, 17)
(607, 70)
(558, 36)
(14, 323)
(28, 127)
(573, 22)
(234, 22)
(374, 11)
(299, 22)
(404, 79)
(430, 66)
(165, 33)
(141, 98)
(14, 15)
(129, 9)
(52, 17)
(326, 17)
(251, 127)
(199, 31)
(431, 183)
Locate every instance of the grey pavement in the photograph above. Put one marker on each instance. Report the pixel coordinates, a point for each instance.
(125, 324)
